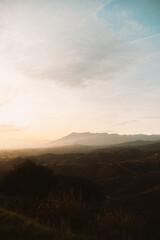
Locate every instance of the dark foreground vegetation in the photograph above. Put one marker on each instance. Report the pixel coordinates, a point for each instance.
(108, 194)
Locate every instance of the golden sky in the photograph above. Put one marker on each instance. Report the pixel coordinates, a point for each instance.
(75, 66)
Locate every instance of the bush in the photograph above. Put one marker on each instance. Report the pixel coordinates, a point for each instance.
(35, 181)
(66, 212)
(120, 225)
(28, 180)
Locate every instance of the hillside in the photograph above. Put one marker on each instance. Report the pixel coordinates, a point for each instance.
(14, 226)
(106, 193)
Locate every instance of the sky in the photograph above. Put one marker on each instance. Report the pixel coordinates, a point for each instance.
(78, 66)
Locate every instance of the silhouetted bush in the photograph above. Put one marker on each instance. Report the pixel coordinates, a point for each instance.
(28, 180)
(118, 225)
(86, 189)
(35, 181)
(65, 211)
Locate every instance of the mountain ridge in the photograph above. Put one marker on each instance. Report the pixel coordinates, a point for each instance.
(100, 139)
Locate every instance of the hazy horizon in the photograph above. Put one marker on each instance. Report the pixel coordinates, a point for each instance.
(78, 66)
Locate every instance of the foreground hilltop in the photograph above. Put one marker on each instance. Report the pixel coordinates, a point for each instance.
(108, 193)
(100, 139)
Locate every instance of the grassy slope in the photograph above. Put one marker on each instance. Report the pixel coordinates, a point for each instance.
(16, 227)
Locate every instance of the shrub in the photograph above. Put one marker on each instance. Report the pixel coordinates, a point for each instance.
(28, 180)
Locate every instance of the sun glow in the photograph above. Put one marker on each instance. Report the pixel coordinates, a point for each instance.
(76, 66)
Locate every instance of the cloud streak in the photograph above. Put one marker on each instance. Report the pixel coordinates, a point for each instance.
(146, 38)
(5, 128)
(124, 123)
(135, 120)
(3, 103)
(62, 41)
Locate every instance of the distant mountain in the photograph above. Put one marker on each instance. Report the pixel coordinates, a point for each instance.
(100, 139)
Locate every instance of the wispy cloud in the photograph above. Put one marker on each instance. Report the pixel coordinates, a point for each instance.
(124, 123)
(146, 38)
(49, 40)
(151, 117)
(3, 103)
(134, 120)
(11, 128)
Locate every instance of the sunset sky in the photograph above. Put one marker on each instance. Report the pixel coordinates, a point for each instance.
(76, 66)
